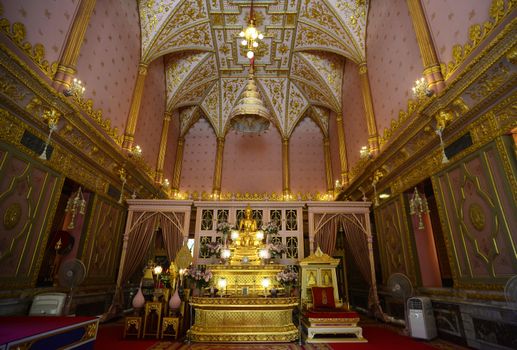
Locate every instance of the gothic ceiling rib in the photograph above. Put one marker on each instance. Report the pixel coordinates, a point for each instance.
(298, 65)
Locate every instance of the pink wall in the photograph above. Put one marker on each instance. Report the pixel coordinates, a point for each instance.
(152, 111)
(172, 142)
(197, 172)
(334, 147)
(393, 59)
(449, 22)
(46, 22)
(306, 157)
(252, 163)
(109, 58)
(426, 251)
(354, 118)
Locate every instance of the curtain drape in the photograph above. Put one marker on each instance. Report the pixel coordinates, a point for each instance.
(172, 229)
(138, 244)
(325, 238)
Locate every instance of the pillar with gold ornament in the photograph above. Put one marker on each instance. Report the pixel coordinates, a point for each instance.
(135, 107)
(328, 165)
(177, 165)
(342, 150)
(218, 169)
(432, 72)
(163, 147)
(373, 138)
(66, 68)
(285, 168)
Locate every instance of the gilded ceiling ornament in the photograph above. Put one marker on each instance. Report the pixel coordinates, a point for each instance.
(296, 105)
(12, 216)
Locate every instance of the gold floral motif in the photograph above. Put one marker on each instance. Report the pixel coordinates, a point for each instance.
(477, 217)
(12, 216)
(499, 10)
(11, 89)
(488, 83)
(87, 106)
(16, 33)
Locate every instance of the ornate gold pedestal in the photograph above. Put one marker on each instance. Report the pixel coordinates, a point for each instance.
(243, 319)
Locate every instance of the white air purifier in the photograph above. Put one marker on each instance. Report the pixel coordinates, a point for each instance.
(421, 318)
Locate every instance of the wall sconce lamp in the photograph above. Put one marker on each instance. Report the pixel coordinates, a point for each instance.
(365, 152)
(76, 89)
(136, 151)
(421, 89)
(123, 178)
(75, 205)
(418, 206)
(51, 117)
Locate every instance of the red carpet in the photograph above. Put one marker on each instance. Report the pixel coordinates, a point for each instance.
(109, 337)
(379, 336)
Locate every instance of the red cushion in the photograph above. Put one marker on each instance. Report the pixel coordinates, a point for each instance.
(335, 313)
(323, 297)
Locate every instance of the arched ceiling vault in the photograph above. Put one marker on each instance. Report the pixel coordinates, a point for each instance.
(298, 65)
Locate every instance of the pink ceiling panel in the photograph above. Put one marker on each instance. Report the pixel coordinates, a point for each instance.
(109, 57)
(393, 59)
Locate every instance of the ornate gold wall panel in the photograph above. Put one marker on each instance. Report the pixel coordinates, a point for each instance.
(477, 209)
(396, 246)
(29, 194)
(102, 246)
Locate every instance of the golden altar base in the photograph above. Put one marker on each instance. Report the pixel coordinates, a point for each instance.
(243, 319)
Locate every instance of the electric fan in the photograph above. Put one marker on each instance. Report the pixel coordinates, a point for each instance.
(401, 289)
(71, 274)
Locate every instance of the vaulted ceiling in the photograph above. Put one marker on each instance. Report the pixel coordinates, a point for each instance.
(298, 64)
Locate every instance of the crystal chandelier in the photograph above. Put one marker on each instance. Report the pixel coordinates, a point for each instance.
(418, 206)
(75, 205)
(250, 35)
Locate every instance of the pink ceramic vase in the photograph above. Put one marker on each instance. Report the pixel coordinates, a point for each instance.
(139, 300)
(175, 301)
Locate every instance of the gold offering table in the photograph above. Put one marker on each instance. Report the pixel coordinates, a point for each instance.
(244, 311)
(243, 319)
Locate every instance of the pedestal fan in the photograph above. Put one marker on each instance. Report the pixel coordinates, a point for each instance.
(401, 289)
(71, 274)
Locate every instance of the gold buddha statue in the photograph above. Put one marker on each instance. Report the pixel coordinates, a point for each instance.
(247, 228)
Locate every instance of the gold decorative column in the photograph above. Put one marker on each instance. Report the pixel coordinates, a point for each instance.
(285, 167)
(163, 147)
(342, 150)
(177, 165)
(328, 165)
(373, 138)
(67, 65)
(218, 170)
(135, 107)
(432, 71)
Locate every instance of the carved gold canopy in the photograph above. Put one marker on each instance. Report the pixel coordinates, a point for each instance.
(298, 64)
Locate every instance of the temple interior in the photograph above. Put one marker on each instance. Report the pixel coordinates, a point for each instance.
(258, 171)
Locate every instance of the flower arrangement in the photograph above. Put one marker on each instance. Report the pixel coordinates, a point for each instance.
(276, 249)
(224, 227)
(287, 277)
(270, 228)
(200, 276)
(213, 249)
